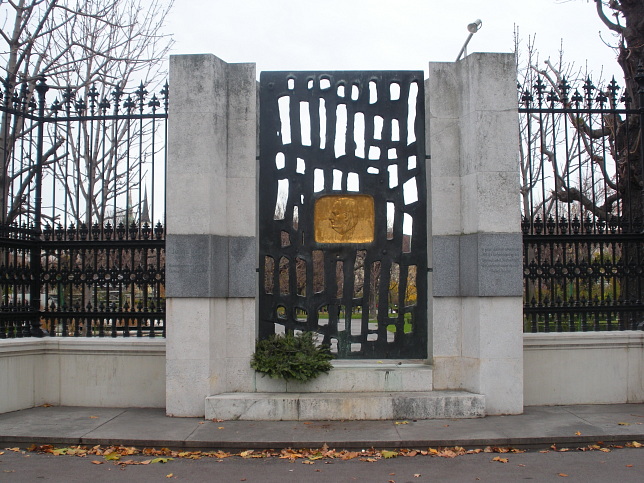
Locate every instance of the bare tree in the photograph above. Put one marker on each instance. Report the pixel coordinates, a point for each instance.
(88, 50)
(626, 19)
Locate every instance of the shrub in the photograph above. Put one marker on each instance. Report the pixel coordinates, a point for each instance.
(291, 356)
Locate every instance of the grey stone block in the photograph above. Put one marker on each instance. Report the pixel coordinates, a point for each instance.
(196, 266)
(469, 267)
(446, 266)
(478, 265)
(242, 263)
(491, 265)
(203, 266)
(500, 264)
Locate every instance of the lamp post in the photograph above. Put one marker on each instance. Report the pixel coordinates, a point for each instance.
(472, 29)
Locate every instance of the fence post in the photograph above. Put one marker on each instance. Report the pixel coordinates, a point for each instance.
(34, 299)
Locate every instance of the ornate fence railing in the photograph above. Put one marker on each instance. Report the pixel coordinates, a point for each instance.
(82, 216)
(582, 162)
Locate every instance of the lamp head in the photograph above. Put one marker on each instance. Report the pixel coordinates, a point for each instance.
(475, 26)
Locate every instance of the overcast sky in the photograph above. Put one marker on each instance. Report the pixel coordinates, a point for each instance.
(382, 34)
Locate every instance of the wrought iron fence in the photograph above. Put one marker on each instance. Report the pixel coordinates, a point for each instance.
(581, 186)
(82, 216)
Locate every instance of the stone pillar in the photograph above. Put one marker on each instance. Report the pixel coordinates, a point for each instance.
(475, 226)
(211, 228)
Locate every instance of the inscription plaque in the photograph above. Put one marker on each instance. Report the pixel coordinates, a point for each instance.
(499, 260)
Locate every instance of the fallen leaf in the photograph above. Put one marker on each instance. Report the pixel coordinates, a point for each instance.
(635, 444)
(563, 474)
(113, 457)
(308, 462)
(93, 417)
(578, 433)
(15, 450)
(417, 475)
(629, 466)
(389, 454)
(500, 460)
(161, 460)
(96, 462)
(448, 453)
(369, 460)
(217, 420)
(349, 455)
(605, 450)
(401, 422)
(624, 424)
(220, 427)
(169, 475)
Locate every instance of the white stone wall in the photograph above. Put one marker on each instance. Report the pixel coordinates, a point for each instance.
(584, 368)
(81, 372)
(559, 368)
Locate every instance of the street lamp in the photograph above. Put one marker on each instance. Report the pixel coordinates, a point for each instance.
(472, 29)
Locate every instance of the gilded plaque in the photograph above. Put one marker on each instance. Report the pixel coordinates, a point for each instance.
(344, 219)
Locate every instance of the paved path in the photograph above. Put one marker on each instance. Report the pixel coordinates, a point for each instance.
(538, 426)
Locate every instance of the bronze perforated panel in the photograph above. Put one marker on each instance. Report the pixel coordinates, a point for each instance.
(342, 210)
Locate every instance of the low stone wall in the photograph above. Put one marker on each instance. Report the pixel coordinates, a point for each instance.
(82, 372)
(583, 368)
(559, 368)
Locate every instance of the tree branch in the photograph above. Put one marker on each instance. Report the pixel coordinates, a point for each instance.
(602, 16)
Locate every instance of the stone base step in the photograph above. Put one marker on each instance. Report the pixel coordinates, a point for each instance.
(358, 376)
(344, 406)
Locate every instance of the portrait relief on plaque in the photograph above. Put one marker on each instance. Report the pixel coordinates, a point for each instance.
(344, 219)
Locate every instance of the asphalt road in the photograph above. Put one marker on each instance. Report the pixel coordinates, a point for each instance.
(618, 465)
